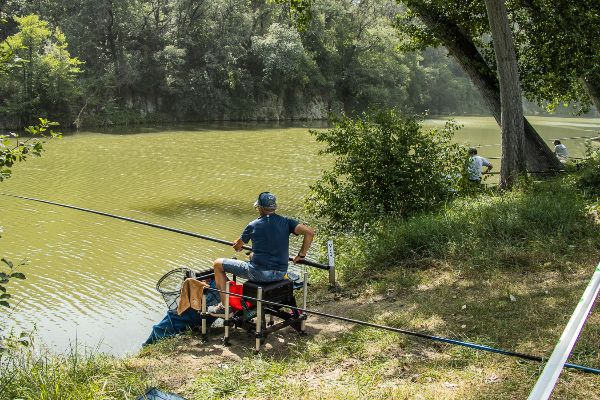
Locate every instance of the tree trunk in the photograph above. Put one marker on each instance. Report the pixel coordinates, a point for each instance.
(459, 44)
(592, 86)
(513, 131)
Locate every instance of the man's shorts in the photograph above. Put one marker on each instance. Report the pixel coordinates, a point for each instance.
(246, 270)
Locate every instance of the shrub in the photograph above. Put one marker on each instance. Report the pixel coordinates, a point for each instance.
(385, 165)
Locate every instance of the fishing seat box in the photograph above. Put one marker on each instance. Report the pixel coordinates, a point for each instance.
(277, 292)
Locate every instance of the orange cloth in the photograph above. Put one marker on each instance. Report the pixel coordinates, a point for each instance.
(191, 295)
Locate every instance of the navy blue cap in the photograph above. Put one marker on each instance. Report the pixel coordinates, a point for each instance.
(266, 200)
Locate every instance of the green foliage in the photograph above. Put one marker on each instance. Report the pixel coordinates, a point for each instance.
(13, 149)
(300, 10)
(558, 50)
(25, 373)
(148, 61)
(39, 74)
(385, 165)
(8, 272)
(555, 43)
(282, 55)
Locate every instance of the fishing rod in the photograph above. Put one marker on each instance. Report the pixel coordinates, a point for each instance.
(163, 227)
(570, 158)
(556, 171)
(421, 335)
(565, 138)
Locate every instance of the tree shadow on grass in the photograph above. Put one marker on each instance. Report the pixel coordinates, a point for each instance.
(481, 310)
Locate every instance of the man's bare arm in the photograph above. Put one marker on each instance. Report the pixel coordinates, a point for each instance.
(308, 234)
(237, 245)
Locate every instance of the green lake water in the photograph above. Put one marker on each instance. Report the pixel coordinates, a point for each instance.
(91, 279)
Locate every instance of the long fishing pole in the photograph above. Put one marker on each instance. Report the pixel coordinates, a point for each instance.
(166, 228)
(455, 342)
(596, 138)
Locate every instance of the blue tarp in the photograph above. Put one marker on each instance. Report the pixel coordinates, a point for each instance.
(155, 394)
(172, 324)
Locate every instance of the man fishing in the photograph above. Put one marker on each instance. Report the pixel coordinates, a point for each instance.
(475, 166)
(269, 234)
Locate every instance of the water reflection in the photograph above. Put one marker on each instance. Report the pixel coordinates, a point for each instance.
(194, 207)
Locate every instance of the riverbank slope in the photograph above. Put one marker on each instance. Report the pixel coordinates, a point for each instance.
(505, 270)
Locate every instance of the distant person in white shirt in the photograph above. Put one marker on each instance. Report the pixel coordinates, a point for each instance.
(476, 164)
(561, 150)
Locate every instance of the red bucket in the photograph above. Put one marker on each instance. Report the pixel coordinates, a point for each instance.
(235, 301)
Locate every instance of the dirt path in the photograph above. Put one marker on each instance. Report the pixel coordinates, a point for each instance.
(176, 362)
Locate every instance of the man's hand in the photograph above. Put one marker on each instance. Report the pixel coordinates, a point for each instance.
(298, 259)
(238, 244)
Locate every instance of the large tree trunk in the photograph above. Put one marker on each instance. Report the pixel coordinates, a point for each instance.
(592, 86)
(459, 44)
(513, 160)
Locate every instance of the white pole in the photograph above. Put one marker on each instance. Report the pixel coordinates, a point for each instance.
(259, 317)
(226, 320)
(547, 380)
(331, 257)
(304, 298)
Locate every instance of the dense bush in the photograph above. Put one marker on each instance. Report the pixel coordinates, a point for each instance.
(38, 73)
(385, 165)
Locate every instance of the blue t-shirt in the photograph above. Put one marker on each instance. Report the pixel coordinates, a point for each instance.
(270, 241)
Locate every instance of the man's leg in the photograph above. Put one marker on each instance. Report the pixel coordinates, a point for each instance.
(220, 277)
(237, 267)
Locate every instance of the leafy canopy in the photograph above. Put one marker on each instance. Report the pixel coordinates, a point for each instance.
(588, 178)
(556, 43)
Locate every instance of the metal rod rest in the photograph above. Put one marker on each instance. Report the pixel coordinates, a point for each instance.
(259, 317)
(204, 316)
(227, 302)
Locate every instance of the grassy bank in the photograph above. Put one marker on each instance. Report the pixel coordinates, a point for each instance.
(541, 225)
(503, 270)
(30, 374)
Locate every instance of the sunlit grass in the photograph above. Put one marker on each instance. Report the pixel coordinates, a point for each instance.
(30, 374)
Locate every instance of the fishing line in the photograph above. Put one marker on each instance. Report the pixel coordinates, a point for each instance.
(166, 228)
(416, 334)
(566, 138)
